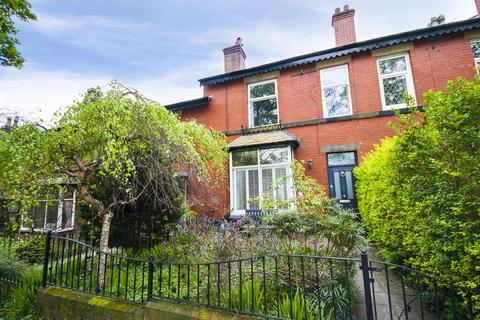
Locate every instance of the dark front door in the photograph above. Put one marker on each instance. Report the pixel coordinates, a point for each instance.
(341, 182)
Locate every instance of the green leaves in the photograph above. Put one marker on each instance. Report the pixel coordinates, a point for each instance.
(419, 192)
(114, 144)
(9, 10)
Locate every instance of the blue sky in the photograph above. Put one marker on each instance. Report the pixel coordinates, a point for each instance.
(163, 47)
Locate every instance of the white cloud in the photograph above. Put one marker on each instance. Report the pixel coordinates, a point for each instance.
(35, 94)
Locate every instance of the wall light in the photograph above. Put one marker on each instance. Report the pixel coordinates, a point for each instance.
(310, 164)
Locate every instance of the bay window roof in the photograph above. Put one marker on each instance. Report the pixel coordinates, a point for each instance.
(271, 138)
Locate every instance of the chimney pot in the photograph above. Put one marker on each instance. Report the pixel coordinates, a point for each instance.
(15, 121)
(343, 23)
(9, 122)
(234, 57)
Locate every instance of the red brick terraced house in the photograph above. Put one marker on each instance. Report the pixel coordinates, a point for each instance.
(327, 108)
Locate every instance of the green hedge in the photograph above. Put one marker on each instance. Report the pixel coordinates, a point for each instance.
(419, 192)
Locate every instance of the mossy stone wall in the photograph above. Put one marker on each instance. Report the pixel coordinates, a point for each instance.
(61, 303)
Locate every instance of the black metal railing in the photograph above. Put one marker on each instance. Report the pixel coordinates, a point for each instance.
(272, 286)
(257, 214)
(75, 265)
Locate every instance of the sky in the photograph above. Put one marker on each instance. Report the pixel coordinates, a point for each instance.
(162, 47)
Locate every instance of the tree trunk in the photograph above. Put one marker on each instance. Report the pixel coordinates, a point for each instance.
(103, 246)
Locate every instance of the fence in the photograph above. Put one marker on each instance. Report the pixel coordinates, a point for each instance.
(276, 286)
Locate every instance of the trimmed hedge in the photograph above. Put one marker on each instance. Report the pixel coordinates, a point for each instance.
(419, 192)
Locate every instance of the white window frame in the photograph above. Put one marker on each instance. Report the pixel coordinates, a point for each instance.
(58, 225)
(477, 60)
(407, 73)
(251, 121)
(323, 86)
(258, 167)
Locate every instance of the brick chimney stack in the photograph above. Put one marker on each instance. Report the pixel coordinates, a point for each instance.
(477, 3)
(234, 57)
(344, 25)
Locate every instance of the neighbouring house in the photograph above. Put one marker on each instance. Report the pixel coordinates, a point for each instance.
(327, 108)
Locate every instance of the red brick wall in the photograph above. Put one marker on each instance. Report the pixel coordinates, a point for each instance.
(433, 62)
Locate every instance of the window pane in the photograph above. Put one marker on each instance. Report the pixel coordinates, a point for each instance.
(262, 90)
(271, 156)
(348, 178)
(336, 181)
(52, 214)
(244, 158)
(337, 100)
(67, 214)
(393, 65)
(341, 158)
(39, 215)
(267, 180)
(281, 191)
(253, 191)
(264, 112)
(476, 49)
(334, 76)
(240, 190)
(394, 88)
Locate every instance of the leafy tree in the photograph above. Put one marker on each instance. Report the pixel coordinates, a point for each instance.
(419, 192)
(118, 148)
(9, 9)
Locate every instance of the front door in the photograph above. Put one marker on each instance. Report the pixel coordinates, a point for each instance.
(341, 182)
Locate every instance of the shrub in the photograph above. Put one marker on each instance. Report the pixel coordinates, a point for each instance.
(31, 250)
(419, 193)
(22, 302)
(10, 266)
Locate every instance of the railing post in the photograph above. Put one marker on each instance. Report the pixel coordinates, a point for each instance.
(46, 257)
(150, 279)
(366, 285)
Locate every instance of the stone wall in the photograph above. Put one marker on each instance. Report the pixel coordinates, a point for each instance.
(60, 303)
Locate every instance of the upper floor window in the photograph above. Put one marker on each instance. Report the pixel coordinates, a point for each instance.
(336, 91)
(395, 77)
(476, 52)
(262, 103)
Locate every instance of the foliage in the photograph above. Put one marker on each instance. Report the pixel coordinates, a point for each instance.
(119, 149)
(31, 250)
(300, 308)
(10, 266)
(311, 214)
(419, 192)
(22, 302)
(9, 11)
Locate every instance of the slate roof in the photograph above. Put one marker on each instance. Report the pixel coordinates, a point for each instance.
(358, 47)
(263, 139)
(199, 102)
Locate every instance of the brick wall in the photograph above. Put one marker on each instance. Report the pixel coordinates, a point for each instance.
(433, 62)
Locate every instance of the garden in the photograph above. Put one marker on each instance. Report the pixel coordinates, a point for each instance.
(418, 199)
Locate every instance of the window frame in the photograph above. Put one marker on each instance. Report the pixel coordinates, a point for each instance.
(60, 201)
(475, 59)
(322, 87)
(251, 121)
(409, 79)
(258, 167)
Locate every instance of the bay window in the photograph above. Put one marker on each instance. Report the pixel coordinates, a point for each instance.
(336, 91)
(396, 79)
(262, 103)
(258, 172)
